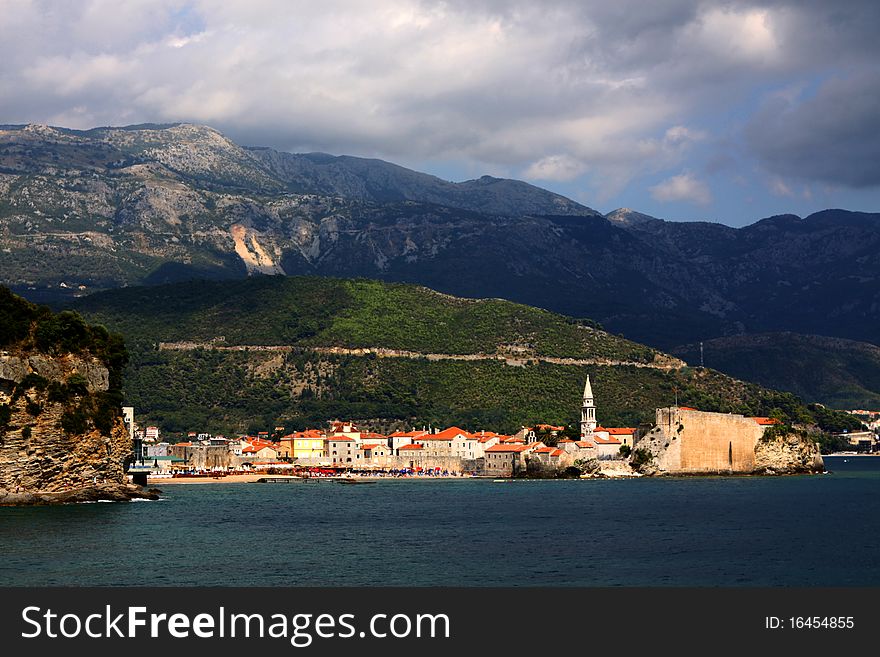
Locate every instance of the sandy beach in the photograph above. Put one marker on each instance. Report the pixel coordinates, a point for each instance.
(250, 478)
(229, 479)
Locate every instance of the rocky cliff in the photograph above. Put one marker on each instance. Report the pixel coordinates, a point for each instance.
(110, 207)
(62, 438)
(789, 453)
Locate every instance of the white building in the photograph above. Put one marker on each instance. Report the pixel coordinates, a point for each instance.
(588, 412)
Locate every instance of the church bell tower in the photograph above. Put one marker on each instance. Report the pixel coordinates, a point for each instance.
(588, 413)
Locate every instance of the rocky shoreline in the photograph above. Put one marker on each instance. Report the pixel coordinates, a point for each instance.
(99, 493)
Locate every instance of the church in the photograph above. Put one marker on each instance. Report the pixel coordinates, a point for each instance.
(588, 413)
(606, 442)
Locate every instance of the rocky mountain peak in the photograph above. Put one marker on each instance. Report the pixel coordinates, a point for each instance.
(628, 217)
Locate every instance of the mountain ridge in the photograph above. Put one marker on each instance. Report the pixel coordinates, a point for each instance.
(152, 205)
(841, 373)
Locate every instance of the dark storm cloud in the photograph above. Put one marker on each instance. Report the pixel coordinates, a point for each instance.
(831, 137)
(554, 90)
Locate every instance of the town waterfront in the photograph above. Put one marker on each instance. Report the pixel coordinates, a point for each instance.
(815, 530)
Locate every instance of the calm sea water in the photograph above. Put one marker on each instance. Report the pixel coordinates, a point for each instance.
(808, 531)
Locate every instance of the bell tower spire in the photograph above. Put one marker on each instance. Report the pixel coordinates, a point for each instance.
(588, 412)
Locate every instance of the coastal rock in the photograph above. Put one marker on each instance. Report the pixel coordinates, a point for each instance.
(792, 453)
(113, 492)
(59, 442)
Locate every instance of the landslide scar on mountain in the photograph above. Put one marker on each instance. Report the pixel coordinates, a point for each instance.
(255, 257)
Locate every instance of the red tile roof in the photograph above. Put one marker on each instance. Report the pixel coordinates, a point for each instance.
(447, 434)
(620, 431)
(308, 433)
(508, 448)
(585, 444)
(340, 439)
(606, 441)
(408, 447)
(686, 408)
(766, 421)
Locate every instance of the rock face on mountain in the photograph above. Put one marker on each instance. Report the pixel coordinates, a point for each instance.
(61, 436)
(109, 207)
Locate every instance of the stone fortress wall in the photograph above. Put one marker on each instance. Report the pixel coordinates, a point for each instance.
(689, 441)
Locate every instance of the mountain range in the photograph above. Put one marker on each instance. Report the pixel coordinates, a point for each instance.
(82, 211)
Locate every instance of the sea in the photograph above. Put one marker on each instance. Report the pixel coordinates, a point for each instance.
(816, 530)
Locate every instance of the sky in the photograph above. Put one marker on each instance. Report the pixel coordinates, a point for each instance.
(681, 109)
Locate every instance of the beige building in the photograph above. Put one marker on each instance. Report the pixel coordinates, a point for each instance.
(342, 450)
(260, 453)
(861, 440)
(453, 442)
(579, 449)
(506, 460)
(552, 456)
(400, 438)
(373, 453)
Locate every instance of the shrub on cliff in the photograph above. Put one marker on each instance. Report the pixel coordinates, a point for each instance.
(27, 327)
(16, 316)
(640, 458)
(36, 327)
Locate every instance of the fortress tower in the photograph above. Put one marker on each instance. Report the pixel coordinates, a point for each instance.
(588, 412)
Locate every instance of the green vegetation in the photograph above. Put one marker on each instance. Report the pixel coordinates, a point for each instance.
(311, 311)
(29, 328)
(842, 374)
(640, 458)
(228, 391)
(32, 327)
(224, 391)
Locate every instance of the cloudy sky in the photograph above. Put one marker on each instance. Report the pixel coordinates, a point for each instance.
(684, 109)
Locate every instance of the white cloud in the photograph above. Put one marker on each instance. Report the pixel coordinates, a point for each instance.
(779, 188)
(555, 167)
(683, 187)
